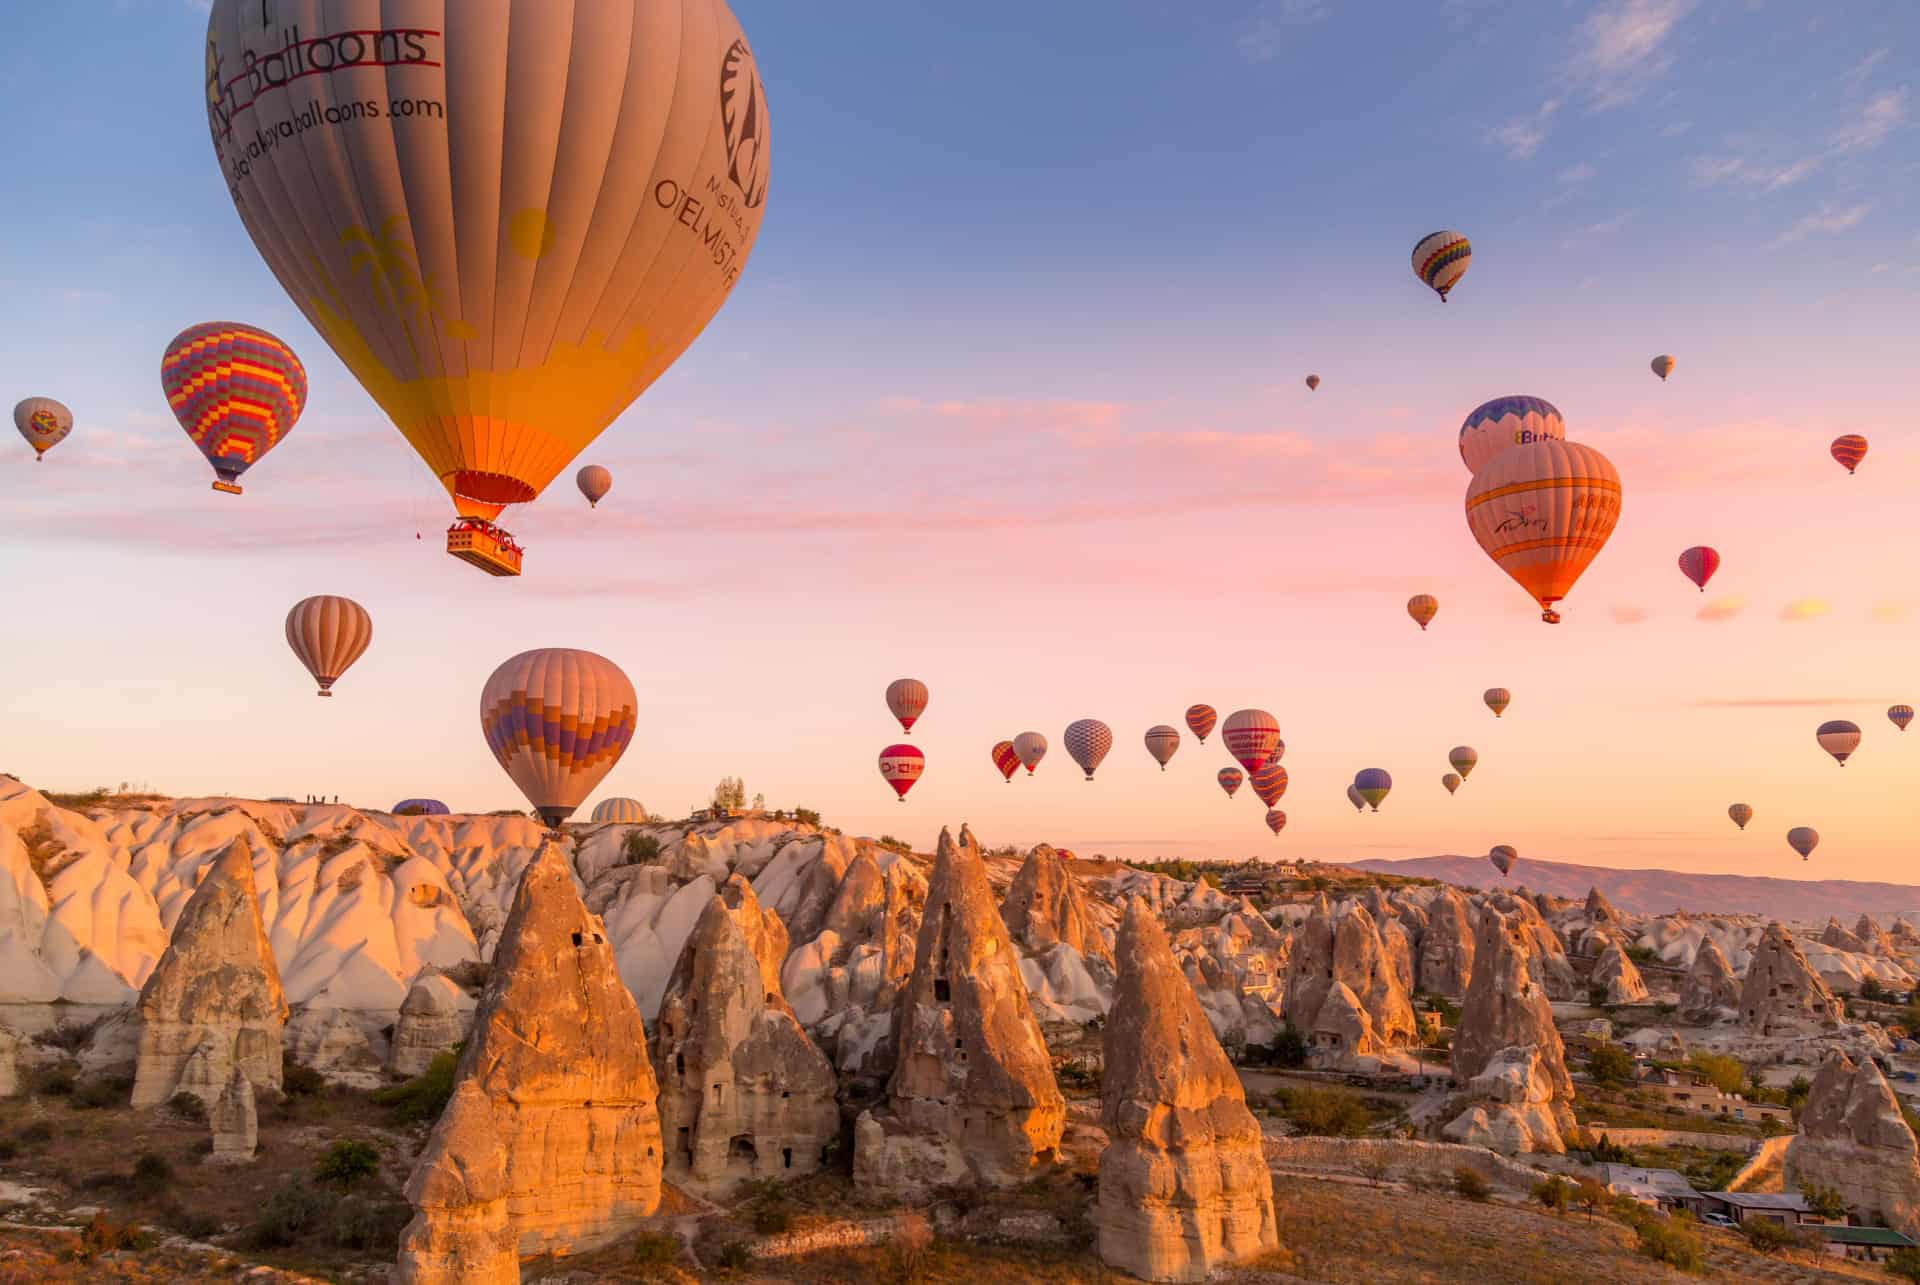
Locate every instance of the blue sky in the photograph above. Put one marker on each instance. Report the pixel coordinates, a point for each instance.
(1010, 393)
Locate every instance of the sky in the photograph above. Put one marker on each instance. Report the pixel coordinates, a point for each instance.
(1010, 398)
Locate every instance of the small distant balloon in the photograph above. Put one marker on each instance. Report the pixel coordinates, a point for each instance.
(1031, 747)
(1162, 743)
(1464, 759)
(1900, 715)
(1088, 741)
(901, 766)
(420, 808)
(1503, 858)
(1497, 699)
(328, 633)
(1440, 259)
(906, 701)
(1839, 737)
(1663, 366)
(1849, 449)
(1451, 780)
(43, 422)
(1373, 784)
(1276, 820)
(1423, 607)
(1353, 797)
(1251, 735)
(1269, 783)
(1200, 719)
(1740, 813)
(1230, 779)
(1803, 839)
(1699, 563)
(1006, 760)
(594, 483)
(1313, 382)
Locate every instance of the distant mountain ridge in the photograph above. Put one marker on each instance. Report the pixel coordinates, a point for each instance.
(1659, 892)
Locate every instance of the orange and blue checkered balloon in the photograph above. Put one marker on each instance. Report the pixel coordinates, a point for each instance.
(235, 389)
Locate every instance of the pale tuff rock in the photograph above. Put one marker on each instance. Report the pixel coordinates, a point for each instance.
(233, 1121)
(1342, 1025)
(1507, 1050)
(559, 1051)
(1599, 909)
(10, 1043)
(843, 981)
(214, 996)
(743, 1091)
(972, 1097)
(1711, 987)
(1446, 947)
(460, 1234)
(1328, 956)
(1045, 907)
(435, 1016)
(1873, 938)
(1396, 948)
(1840, 939)
(1614, 972)
(1854, 1139)
(1184, 1187)
(335, 1043)
(1782, 994)
(1545, 951)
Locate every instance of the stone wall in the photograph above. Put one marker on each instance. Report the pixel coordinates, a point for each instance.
(1401, 1157)
(834, 1235)
(1679, 1138)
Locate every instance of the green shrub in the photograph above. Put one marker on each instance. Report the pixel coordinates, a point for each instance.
(641, 849)
(1610, 1065)
(347, 1163)
(1825, 1201)
(151, 1172)
(1723, 1072)
(102, 1235)
(295, 1209)
(421, 1099)
(54, 1082)
(806, 816)
(1289, 1047)
(1325, 1112)
(1671, 1240)
(1770, 1237)
(652, 1249)
(1905, 1263)
(191, 1223)
(94, 1095)
(187, 1105)
(1468, 1182)
(363, 1224)
(1553, 1193)
(301, 1081)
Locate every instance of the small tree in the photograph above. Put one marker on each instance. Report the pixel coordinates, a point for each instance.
(1552, 1194)
(1871, 989)
(1824, 1201)
(759, 803)
(1725, 1073)
(1589, 1194)
(1797, 1093)
(730, 793)
(1610, 1065)
(1289, 1048)
(1469, 1182)
(1770, 1236)
(1905, 1263)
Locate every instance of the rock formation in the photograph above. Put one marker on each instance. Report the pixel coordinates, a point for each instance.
(460, 1234)
(1599, 910)
(435, 1016)
(1615, 973)
(1545, 950)
(1507, 1052)
(1876, 941)
(235, 1126)
(215, 994)
(560, 1056)
(1445, 963)
(1854, 1139)
(1045, 907)
(1329, 957)
(1840, 939)
(1184, 1187)
(844, 981)
(10, 1043)
(972, 1097)
(1782, 994)
(743, 1092)
(1711, 987)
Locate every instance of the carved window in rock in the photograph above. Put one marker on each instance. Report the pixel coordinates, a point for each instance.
(942, 991)
(719, 1093)
(740, 1147)
(786, 1157)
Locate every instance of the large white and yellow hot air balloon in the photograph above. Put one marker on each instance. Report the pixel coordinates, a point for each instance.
(507, 218)
(1542, 512)
(328, 633)
(557, 720)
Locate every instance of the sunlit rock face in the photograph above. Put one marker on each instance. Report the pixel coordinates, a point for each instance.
(1854, 1139)
(1782, 994)
(1507, 1053)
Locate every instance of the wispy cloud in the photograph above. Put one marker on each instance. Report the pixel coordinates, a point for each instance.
(1521, 137)
(1885, 112)
(1722, 609)
(1263, 33)
(1828, 218)
(1620, 49)
(1889, 613)
(1804, 609)
(1737, 169)
(1628, 615)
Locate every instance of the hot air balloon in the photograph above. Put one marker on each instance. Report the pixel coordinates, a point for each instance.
(1276, 820)
(1900, 715)
(1542, 512)
(1006, 760)
(906, 701)
(1840, 738)
(1088, 741)
(328, 634)
(1503, 858)
(420, 808)
(1423, 607)
(1464, 759)
(558, 719)
(1849, 449)
(1663, 366)
(1313, 382)
(1031, 747)
(43, 422)
(901, 766)
(1230, 779)
(1740, 814)
(1373, 784)
(1269, 783)
(506, 219)
(1162, 742)
(1200, 720)
(1451, 780)
(594, 483)
(1353, 797)
(1440, 259)
(1699, 563)
(1803, 839)
(1497, 699)
(622, 811)
(1251, 736)
(236, 390)
(1507, 422)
